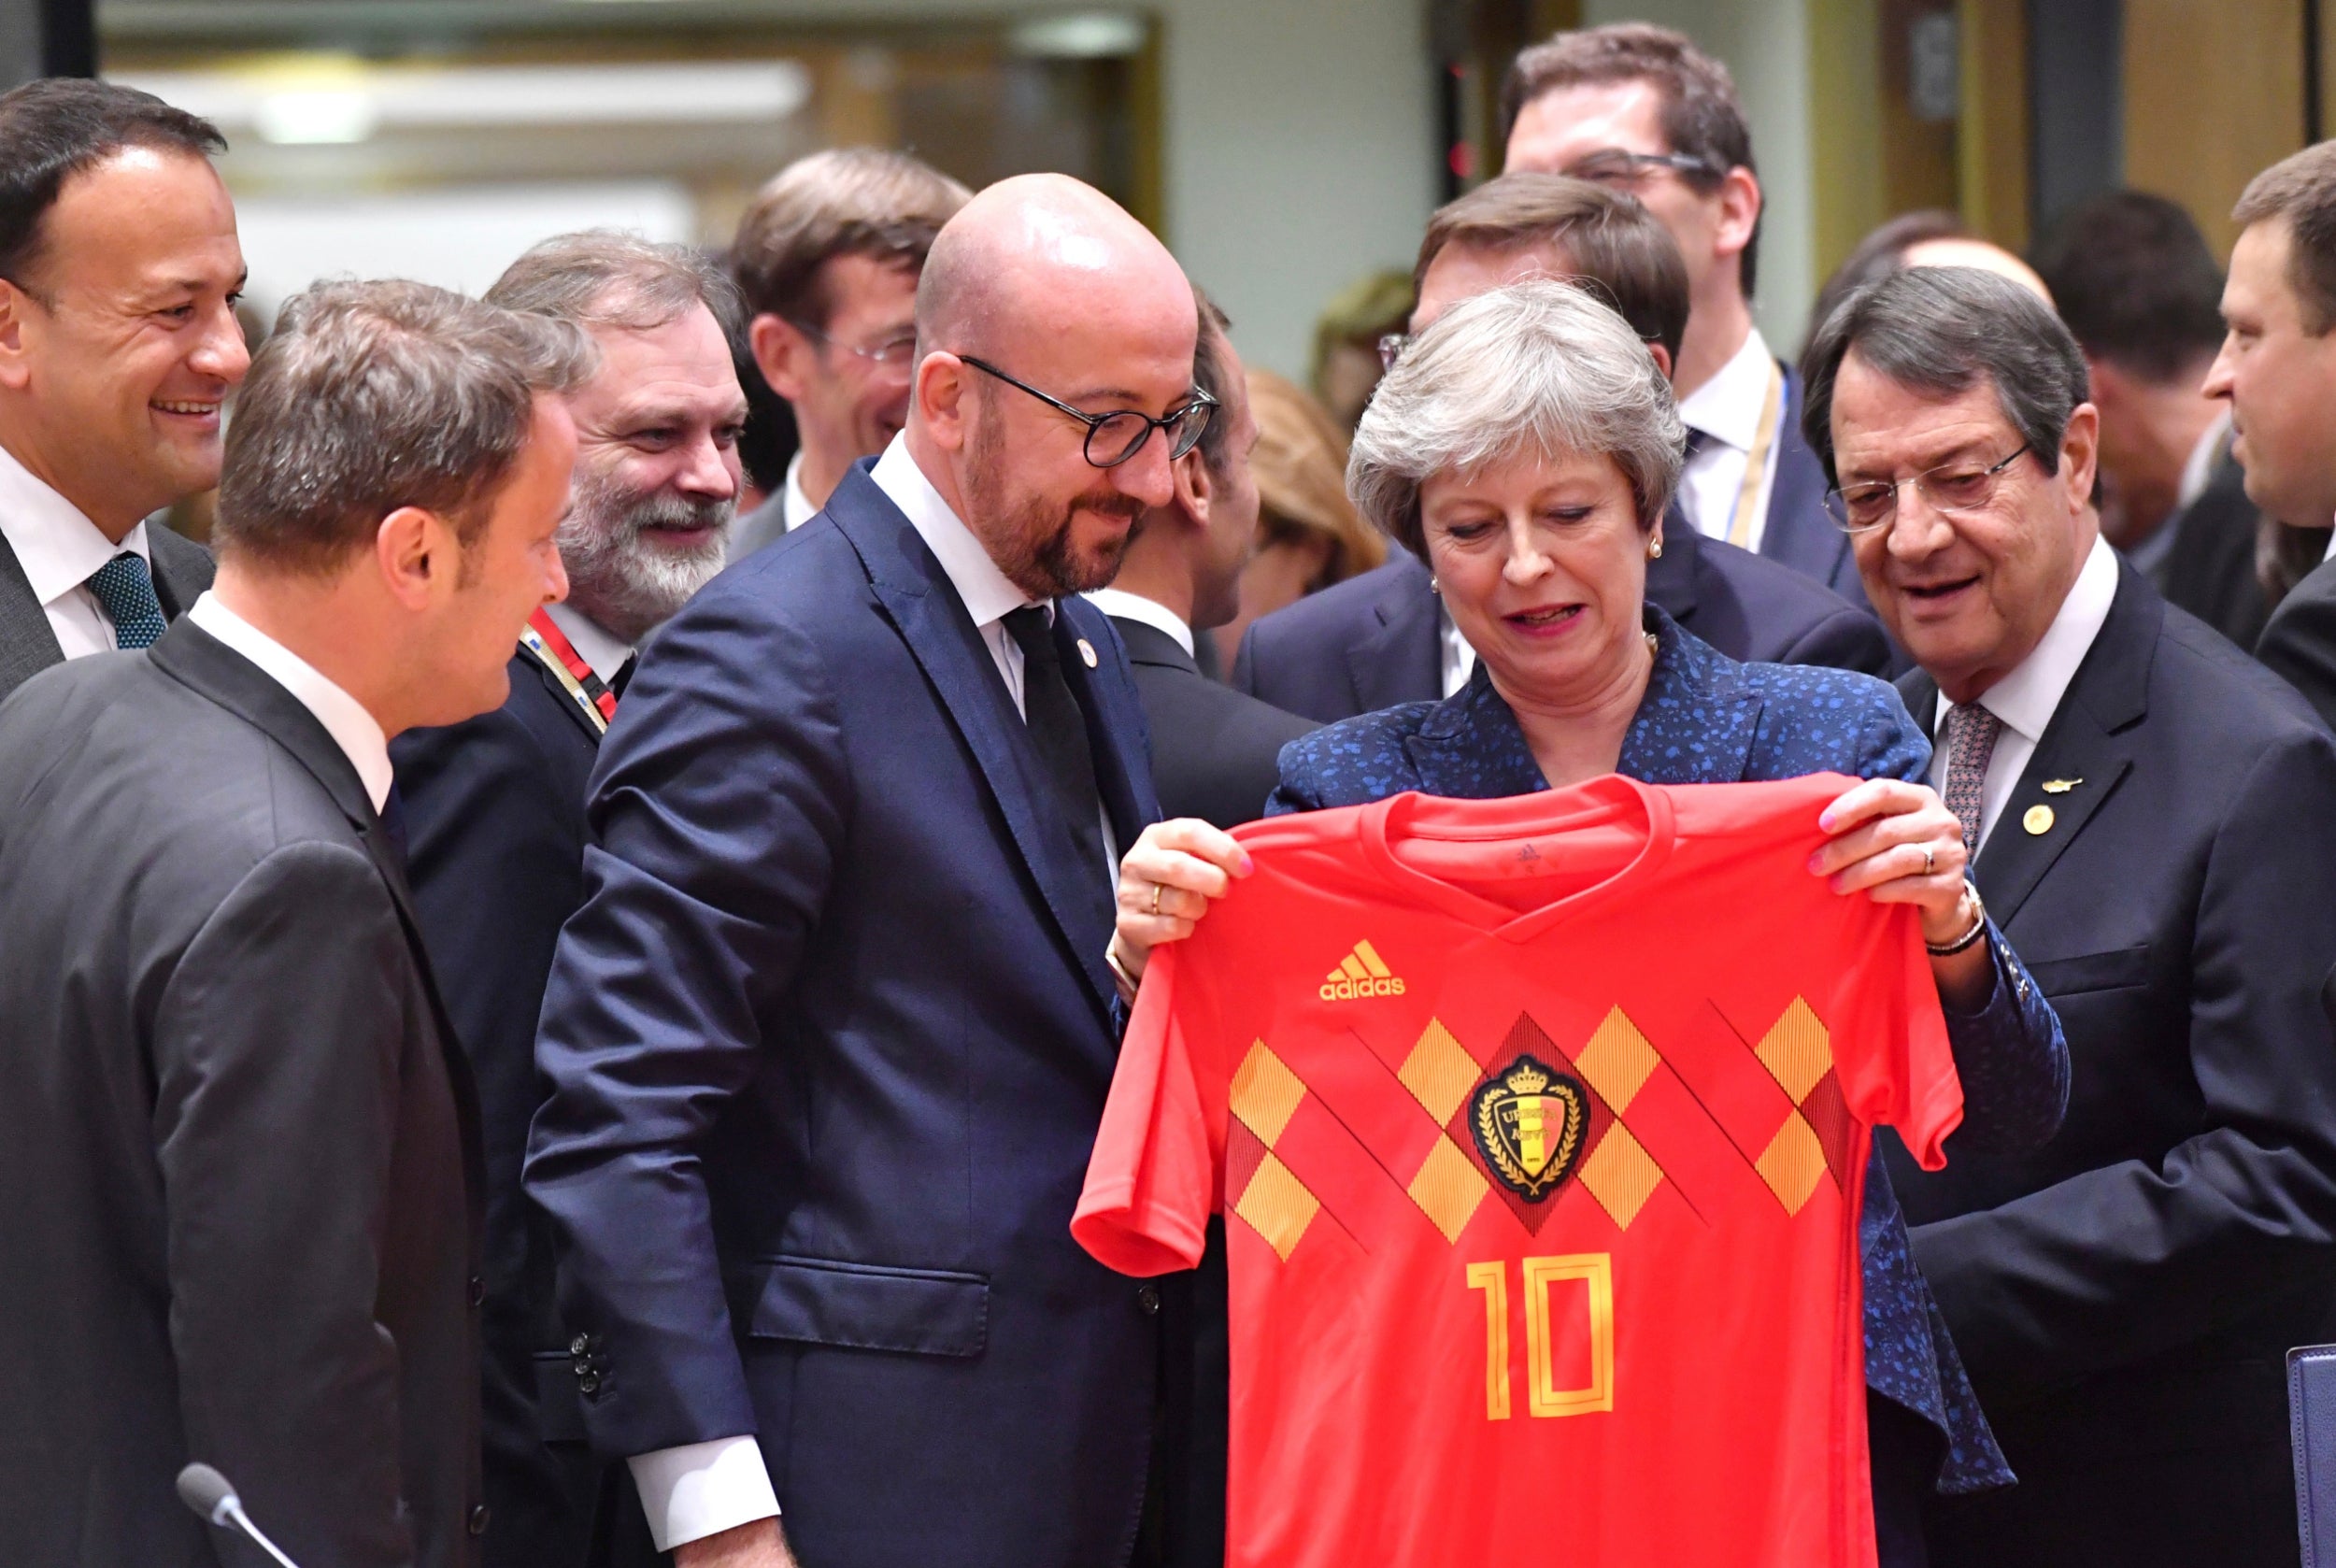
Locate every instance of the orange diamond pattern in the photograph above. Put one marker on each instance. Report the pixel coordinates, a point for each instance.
(1793, 1163)
(1438, 1071)
(1449, 1187)
(1277, 1206)
(1621, 1175)
(1796, 1051)
(1618, 1060)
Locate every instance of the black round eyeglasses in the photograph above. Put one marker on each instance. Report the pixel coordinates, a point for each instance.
(1112, 438)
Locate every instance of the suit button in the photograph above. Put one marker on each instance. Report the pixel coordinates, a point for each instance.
(589, 1382)
(478, 1517)
(1147, 1298)
(580, 1345)
(477, 1289)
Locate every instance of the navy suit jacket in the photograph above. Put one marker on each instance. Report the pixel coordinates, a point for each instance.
(494, 825)
(1376, 640)
(2125, 1294)
(826, 1066)
(1798, 533)
(1707, 719)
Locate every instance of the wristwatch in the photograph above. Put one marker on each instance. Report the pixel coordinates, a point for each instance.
(1978, 927)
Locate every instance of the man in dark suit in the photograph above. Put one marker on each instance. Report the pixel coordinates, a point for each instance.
(2133, 279)
(1381, 638)
(2277, 370)
(1641, 110)
(1213, 749)
(2153, 818)
(239, 1148)
(494, 806)
(828, 1041)
(119, 273)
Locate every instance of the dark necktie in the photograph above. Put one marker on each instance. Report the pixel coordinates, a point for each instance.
(126, 589)
(392, 820)
(1059, 730)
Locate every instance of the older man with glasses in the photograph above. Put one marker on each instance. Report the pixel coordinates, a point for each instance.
(828, 1043)
(2151, 818)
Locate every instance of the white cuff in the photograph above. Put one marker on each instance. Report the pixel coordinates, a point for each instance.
(703, 1489)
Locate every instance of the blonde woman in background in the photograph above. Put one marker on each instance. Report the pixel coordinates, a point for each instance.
(1309, 535)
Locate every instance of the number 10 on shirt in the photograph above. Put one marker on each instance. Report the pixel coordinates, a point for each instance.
(1594, 1272)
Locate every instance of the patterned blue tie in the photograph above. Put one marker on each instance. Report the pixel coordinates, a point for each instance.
(126, 588)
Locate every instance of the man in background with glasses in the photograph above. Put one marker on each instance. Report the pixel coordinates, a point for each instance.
(828, 1043)
(1640, 109)
(2151, 817)
(827, 257)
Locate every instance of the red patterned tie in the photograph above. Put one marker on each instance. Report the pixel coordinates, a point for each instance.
(1971, 732)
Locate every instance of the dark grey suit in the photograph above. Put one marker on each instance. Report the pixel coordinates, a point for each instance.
(238, 1152)
(182, 570)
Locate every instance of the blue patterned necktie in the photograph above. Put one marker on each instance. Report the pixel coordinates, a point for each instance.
(1971, 737)
(126, 588)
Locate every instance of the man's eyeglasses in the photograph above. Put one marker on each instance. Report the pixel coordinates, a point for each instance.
(1953, 488)
(1619, 168)
(894, 354)
(1112, 438)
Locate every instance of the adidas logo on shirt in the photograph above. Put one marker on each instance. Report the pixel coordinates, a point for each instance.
(1360, 973)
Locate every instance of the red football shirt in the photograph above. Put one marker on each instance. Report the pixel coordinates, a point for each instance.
(1540, 1126)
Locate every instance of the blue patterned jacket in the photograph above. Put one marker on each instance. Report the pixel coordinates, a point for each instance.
(1707, 719)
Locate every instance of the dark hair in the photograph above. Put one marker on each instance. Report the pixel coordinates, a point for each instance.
(2301, 188)
(2135, 282)
(53, 129)
(1609, 238)
(373, 396)
(850, 201)
(1702, 116)
(1212, 373)
(1940, 330)
(1882, 252)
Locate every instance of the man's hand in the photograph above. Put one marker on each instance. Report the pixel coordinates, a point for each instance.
(758, 1545)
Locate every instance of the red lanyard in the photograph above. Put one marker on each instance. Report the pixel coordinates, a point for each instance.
(582, 683)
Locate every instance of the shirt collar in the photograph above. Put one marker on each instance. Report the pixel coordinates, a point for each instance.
(2198, 469)
(795, 506)
(2027, 698)
(1151, 612)
(344, 718)
(1728, 407)
(54, 540)
(602, 650)
(988, 593)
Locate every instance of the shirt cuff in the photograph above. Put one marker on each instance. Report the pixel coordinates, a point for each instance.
(701, 1488)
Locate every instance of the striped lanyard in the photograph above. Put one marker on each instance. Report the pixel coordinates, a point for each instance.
(542, 638)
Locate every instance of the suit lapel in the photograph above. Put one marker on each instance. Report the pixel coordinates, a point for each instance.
(2089, 741)
(1106, 695)
(1403, 662)
(1692, 674)
(195, 658)
(182, 569)
(27, 644)
(1471, 748)
(917, 594)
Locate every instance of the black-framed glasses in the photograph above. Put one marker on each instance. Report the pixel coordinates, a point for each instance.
(1954, 488)
(1621, 168)
(1112, 438)
(894, 354)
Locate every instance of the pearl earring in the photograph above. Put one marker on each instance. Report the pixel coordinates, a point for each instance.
(1655, 548)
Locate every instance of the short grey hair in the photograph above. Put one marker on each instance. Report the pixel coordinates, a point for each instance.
(606, 277)
(1940, 330)
(373, 396)
(1540, 366)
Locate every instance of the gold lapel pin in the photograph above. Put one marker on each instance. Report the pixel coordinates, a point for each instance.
(2038, 821)
(2060, 786)
(1086, 652)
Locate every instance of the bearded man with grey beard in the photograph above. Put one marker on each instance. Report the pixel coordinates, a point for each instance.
(493, 808)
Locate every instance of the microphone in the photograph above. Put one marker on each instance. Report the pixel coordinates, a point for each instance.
(206, 1491)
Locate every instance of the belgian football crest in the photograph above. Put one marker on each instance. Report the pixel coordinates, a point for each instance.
(1528, 1120)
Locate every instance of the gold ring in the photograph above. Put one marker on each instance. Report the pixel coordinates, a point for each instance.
(1157, 890)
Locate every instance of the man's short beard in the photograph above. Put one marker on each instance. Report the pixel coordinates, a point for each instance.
(629, 585)
(1030, 537)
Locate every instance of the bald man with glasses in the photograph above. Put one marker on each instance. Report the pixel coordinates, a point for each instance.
(828, 1041)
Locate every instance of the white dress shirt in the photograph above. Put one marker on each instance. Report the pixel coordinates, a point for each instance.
(600, 648)
(1727, 409)
(795, 506)
(1150, 612)
(59, 548)
(701, 1488)
(354, 730)
(2027, 698)
(1460, 654)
